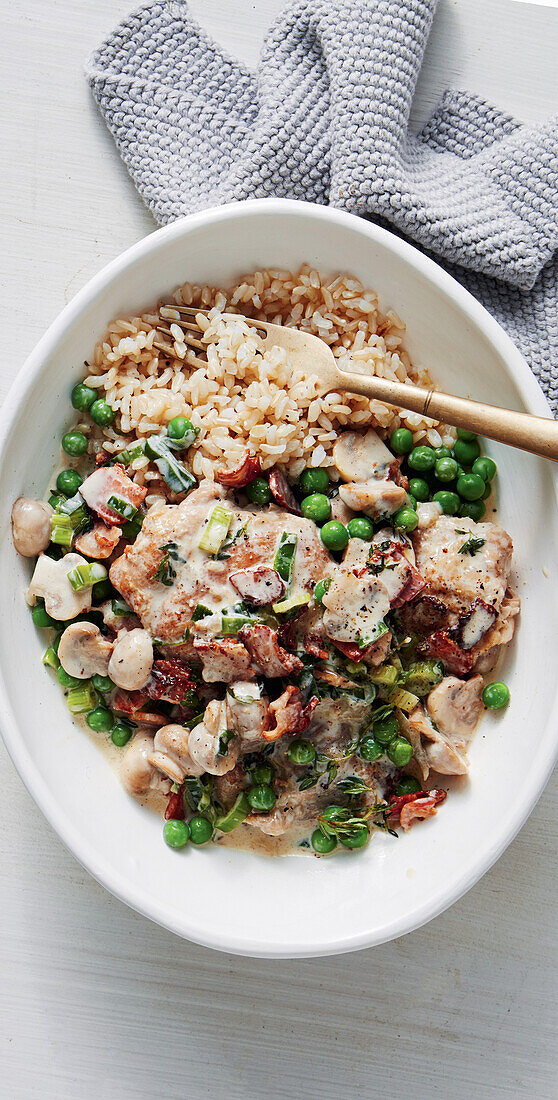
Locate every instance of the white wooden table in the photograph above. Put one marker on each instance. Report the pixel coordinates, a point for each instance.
(96, 1002)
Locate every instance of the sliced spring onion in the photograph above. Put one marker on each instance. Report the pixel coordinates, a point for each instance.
(81, 699)
(291, 602)
(50, 658)
(216, 530)
(61, 530)
(132, 529)
(85, 576)
(284, 558)
(377, 632)
(122, 507)
(245, 692)
(403, 699)
(126, 457)
(76, 509)
(231, 624)
(386, 675)
(177, 477)
(120, 607)
(235, 815)
(185, 440)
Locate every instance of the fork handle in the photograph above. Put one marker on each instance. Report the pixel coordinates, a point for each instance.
(536, 434)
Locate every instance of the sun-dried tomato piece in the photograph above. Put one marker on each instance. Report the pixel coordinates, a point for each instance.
(175, 807)
(170, 680)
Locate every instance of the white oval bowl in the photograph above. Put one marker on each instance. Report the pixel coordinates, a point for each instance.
(226, 899)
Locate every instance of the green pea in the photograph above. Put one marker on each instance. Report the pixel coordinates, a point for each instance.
(446, 469)
(102, 683)
(370, 749)
(466, 452)
(41, 617)
(83, 397)
(496, 695)
(323, 844)
(176, 834)
(412, 502)
(449, 502)
(201, 830)
(121, 734)
(74, 444)
(301, 751)
(462, 433)
(262, 775)
(68, 482)
(262, 797)
(470, 486)
(316, 507)
(474, 510)
(487, 491)
(68, 681)
(100, 719)
(422, 458)
(258, 491)
(357, 838)
(321, 588)
(419, 488)
(408, 785)
(406, 519)
(102, 413)
(178, 427)
(314, 481)
(334, 535)
(401, 441)
(442, 452)
(385, 729)
(360, 527)
(400, 751)
(485, 467)
(102, 590)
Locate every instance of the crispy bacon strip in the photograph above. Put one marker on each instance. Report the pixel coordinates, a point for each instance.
(411, 807)
(314, 645)
(288, 715)
(445, 649)
(131, 702)
(263, 646)
(282, 492)
(170, 680)
(413, 585)
(425, 615)
(241, 475)
(99, 542)
(175, 807)
(110, 481)
(224, 660)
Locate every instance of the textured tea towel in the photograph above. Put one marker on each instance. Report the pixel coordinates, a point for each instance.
(325, 118)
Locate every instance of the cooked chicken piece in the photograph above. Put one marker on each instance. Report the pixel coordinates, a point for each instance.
(111, 482)
(264, 649)
(335, 723)
(247, 714)
(426, 615)
(374, 498)
(224, 661)
(428, 514)
(360, 456)
(287, 714)
(431, 748)
(296, 807)
(487, 651)
(458, 570)
(171, 753)
(99, 542)
(455, 707)
(473, 626)
(208, 743)
(166, 609)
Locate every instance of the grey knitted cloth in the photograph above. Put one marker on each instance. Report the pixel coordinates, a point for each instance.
(325, 118)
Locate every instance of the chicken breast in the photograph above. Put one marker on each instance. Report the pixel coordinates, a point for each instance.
(462, 561)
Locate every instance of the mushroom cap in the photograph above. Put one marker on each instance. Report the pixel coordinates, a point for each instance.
(31, 526)
(83, 652)
(132, 659)
(50, 580)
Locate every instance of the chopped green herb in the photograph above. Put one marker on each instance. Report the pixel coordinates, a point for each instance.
(471, 546)
(165, 572)
(200, 612)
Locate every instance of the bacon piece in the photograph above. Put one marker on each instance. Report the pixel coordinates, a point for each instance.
(472, 626)
(263, 646)
(351, 650)
(131, 702)
(99, 542)
(224, 660)
(333, 678)
(394, 474)
(445, 649)
(241, 475)
(170, 680)
(425, 615)
(101, 458)
(314, 645)
(282, 492)
(175, 807)
(287, 714)
(413, 585)
(110, 481)
(408, 807)
(261, 585)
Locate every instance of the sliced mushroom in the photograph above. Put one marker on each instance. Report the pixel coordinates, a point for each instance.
(428, 514)
(455, 707)
(171, 754)
(376, 498)
(83, 652)
(50, 580)
(205, 741)
(246, 713)
(31, 526)
(132, 659)
(360, 456)
(136, 773)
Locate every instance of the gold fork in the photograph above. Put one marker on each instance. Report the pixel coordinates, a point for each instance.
(308, 353)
